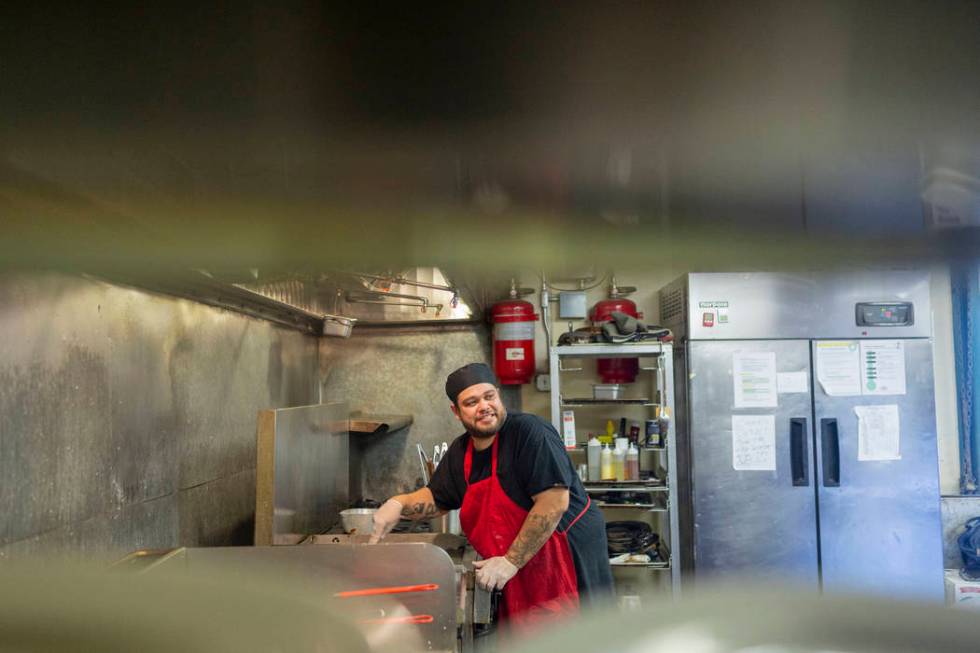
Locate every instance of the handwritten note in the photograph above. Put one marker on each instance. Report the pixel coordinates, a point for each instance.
(878, 433)
(754, 442)
(754, 376)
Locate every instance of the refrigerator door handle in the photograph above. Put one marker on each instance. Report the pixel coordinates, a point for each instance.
(830, 447)
(799, 457)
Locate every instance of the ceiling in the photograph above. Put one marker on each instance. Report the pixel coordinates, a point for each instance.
(331, 136)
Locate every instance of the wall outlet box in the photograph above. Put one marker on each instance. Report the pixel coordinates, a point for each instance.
(543, 382)
(961, 593)
(571, 305)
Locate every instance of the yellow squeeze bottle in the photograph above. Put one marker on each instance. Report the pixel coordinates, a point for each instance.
(610, 434)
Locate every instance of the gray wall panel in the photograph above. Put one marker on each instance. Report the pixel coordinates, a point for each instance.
(400, 371)
(54, 401)
(107, 537)
(113, 401)
(144, 424)
(219, 513)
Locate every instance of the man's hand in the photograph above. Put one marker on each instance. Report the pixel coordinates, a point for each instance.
(385, 519)
(494, 573)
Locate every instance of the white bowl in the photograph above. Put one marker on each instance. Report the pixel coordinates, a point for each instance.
(358, 520)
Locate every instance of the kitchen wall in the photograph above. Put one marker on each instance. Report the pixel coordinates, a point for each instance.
(400, 370)
(127, 419)
(648, 282)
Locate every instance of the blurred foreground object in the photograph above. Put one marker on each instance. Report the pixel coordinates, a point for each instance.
(768, 620)
(54, 607)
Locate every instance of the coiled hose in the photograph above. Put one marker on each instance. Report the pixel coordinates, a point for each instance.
(632, 537)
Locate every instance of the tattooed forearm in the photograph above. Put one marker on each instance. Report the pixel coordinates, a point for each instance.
(419, 505)
(534, 533)
(420, 510)
(538, 526)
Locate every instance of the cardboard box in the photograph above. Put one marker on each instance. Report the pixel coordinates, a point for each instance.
(962, 593)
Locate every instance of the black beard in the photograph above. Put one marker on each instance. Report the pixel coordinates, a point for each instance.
(478, 433)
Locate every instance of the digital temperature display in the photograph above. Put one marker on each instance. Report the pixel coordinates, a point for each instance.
(884, 314)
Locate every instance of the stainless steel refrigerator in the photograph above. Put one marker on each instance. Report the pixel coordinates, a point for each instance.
(806, 416)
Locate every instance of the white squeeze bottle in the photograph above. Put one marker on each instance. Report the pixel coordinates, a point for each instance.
(594, 450)
(619, 462)
(606, 458)
(632, 463)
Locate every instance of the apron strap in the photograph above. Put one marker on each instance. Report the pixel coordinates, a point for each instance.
(468, 459)
(588, 503)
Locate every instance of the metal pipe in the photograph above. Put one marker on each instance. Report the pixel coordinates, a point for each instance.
(380, 298)
(402, 281)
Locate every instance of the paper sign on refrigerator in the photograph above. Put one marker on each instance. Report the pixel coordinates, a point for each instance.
(754, 376)
(883, 367)
(754, 443)
(879, 433)
(839, 367)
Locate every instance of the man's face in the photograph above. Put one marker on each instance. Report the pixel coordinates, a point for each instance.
(479, 408)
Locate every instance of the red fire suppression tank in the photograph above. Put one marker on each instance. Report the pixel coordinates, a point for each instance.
(615, 370)
(513, 341)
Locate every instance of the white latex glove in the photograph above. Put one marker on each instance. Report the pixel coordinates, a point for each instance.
(385, 519)
(494, 573)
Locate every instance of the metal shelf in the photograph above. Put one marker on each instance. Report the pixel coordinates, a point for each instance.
(584, 447)
(665, 566)
(585, 401)
(633, 488)
(648, 507)
(657, 365)
(627, 349)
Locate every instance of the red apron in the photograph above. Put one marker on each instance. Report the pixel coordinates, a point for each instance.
(545, 588)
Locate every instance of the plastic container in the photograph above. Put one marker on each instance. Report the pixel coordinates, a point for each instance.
(594, 453)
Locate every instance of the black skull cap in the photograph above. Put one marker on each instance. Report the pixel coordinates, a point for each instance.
(466, 376)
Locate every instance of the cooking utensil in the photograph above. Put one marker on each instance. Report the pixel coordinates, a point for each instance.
(358, 520)
(436, 458)
(426, 472)
(411, 619)
(377, 591)
(443, 451)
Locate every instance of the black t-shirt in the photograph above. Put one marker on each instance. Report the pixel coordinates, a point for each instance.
(531, 458)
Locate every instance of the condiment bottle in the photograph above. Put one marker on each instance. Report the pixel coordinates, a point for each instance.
(594, 451)
(610, 433)
(632, 463)
(619, 462)
(608, 472)
(664, 419)
(653, 433)
(634, 435)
